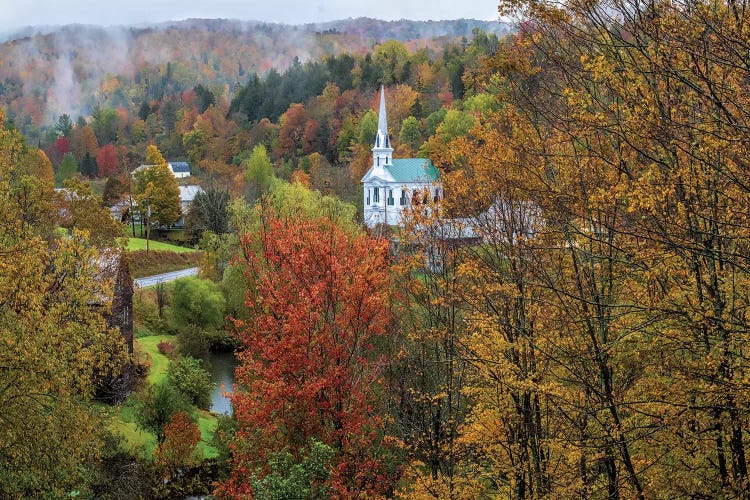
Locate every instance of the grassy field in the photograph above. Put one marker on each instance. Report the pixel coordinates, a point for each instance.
(159, 362)
(207, 424)
(135, 439)
(157, 246)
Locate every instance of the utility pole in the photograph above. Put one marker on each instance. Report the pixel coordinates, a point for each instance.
(148, 223)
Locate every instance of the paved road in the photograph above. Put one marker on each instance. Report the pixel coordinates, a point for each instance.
(163, 278)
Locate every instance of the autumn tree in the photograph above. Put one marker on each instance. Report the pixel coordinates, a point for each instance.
(38, 165)
(178, 449)
(155, 189)
(319, 304)
(430, 374)
(85, 211)
(600, 303)
(83, 140)
(106, 160)
(292, 131)
(55, 341)
(114, 188)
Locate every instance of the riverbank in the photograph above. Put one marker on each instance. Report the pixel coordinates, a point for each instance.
(122, 422)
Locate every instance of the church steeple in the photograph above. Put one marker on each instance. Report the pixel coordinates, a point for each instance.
(382, 153)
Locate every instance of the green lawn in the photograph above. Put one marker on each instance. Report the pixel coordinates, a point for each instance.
(157, 246)
(207, 424)
(136, 439)
(159, 362)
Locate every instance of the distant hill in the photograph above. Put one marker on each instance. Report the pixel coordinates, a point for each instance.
(70, 69)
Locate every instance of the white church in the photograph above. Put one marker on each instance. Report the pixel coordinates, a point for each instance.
(392, 185)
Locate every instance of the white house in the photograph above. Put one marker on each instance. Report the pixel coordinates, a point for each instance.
(187, 196)
(392, 185)
(179, 169)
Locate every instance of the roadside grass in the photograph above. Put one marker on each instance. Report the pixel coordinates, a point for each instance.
(159, 262)
(157, 246)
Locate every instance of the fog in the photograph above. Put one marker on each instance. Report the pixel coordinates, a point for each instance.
(15, 15)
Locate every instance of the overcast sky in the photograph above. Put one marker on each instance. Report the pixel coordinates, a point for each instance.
(16, 14)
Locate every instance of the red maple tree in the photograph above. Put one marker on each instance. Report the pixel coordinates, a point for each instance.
(62, 145)
(106, 160)
(320, 300)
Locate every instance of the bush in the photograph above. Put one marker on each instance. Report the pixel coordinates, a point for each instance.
(198, 302)
(166, 348)
(226, 430)
(221, 341)
(286, 477)
(155, 405)
(193, 342)
(189, 377)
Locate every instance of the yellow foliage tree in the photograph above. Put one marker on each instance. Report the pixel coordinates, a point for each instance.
(54, 342)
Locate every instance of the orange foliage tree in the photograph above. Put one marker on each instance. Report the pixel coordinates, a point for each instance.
(319, 302)
(181, 438)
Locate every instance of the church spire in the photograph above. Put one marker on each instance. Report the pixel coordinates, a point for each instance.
(382, 119)
(382, 152)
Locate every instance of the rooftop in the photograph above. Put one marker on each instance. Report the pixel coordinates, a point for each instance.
(413, 170)
(187, 193)
(179, 166)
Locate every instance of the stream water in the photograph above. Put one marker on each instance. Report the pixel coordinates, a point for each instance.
(222, 373)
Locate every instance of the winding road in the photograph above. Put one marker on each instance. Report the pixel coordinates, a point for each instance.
(163, 278)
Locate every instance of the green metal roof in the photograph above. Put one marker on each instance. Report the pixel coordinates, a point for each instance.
(413, 170)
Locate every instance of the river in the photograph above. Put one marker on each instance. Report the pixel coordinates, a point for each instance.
(222, 372)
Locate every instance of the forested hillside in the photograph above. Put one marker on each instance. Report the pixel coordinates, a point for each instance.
(314, 118)
(73, 68)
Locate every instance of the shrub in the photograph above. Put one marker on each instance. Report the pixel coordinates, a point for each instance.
(193, 342)
(199, 302)
(286, 477)
(188, 376)
(155, 405)
(181, 438)
(221, 341)
(166, 348)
